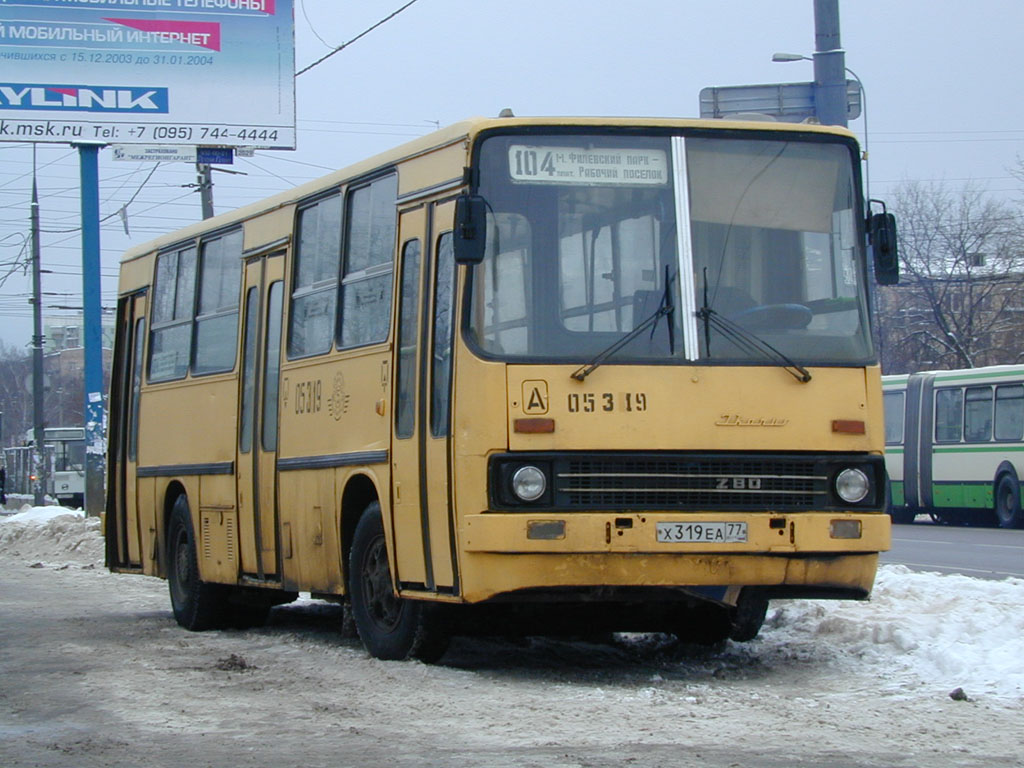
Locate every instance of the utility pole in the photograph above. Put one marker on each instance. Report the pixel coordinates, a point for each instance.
(204, 179)
(38, 453)
(829, 65)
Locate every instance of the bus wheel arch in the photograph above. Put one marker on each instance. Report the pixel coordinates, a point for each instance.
(174, 490)
(1006, 500)
(360, 492)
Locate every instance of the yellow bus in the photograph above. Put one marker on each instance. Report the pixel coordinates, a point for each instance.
(520, 375)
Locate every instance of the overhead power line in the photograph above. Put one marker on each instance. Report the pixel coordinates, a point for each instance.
(115, 213)
(302, 5)
(362, 34)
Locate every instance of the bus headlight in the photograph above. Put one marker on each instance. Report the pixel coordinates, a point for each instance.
(852, 485)
(529, 483)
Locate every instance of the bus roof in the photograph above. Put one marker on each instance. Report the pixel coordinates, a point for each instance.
(982, 374)
(467, 129)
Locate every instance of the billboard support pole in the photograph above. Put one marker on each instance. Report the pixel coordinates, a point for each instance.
(95, 448)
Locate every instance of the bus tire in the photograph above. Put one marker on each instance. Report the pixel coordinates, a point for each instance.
(903, 515)
(1007, 503)
(197, 605)
(749, 616)
(390, 627)
(243, 616)
(705, 624)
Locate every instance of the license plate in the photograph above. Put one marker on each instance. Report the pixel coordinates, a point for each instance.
(694, 532)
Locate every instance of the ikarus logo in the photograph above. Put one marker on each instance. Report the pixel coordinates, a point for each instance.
(83, 98)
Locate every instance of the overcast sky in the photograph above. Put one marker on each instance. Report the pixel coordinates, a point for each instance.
(944, 103)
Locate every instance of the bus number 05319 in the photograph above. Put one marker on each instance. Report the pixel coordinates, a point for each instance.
(590, 402)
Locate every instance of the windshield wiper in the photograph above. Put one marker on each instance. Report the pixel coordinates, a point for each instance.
(666, 308)
(748, 342)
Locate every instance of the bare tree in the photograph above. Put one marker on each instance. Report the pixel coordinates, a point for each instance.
(959, 302)
(15, 402)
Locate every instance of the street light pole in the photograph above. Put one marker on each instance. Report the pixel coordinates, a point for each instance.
(829, 63)
(787, 57)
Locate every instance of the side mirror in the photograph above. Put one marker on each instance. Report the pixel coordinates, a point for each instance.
(882, 231)
(470, 229)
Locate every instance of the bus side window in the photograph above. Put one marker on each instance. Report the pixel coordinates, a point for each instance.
(1010, 412)
(272, 366)
(408, 339)
(220, 275)
(893, 402)
(171, 328)
(314, 291)
(978, 415)
(949, 408)
(369, 261)
(252, 308)
(441, 363)
(133, 426)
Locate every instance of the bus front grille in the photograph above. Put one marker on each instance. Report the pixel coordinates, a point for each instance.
(680, 482)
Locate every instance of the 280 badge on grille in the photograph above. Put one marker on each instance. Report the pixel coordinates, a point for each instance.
(702, 532)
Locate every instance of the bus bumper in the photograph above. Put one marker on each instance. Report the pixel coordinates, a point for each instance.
(799, 554)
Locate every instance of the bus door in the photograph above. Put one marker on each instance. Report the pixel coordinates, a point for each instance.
(421, 503)
(256, 463)
(917, 447)
(131, 538)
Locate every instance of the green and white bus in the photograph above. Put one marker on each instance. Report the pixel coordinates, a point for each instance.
(954, 444)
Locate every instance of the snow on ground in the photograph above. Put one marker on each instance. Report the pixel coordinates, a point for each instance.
(922, 633)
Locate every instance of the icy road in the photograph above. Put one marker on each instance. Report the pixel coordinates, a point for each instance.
(94, 672)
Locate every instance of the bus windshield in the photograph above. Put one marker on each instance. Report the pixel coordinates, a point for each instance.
(69, 455)
(590, 235)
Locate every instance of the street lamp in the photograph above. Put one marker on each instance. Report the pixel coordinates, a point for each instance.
(787, 57)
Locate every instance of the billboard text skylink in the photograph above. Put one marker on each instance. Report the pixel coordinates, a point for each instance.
(83, 98)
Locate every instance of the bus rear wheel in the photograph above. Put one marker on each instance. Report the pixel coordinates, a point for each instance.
(705, 624)
(1007, 503)
(197, 605)
(390, 627)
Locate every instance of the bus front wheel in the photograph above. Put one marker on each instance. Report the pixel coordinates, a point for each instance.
(389, 626)
(197, 605)
(1008, 511)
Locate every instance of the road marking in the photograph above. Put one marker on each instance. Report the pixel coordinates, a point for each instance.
(928, 541)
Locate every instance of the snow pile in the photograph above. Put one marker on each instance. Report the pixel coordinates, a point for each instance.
(40, 515)
(52, 534)
(941, 630)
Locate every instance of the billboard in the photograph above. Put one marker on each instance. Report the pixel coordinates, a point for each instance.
(197, 72)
